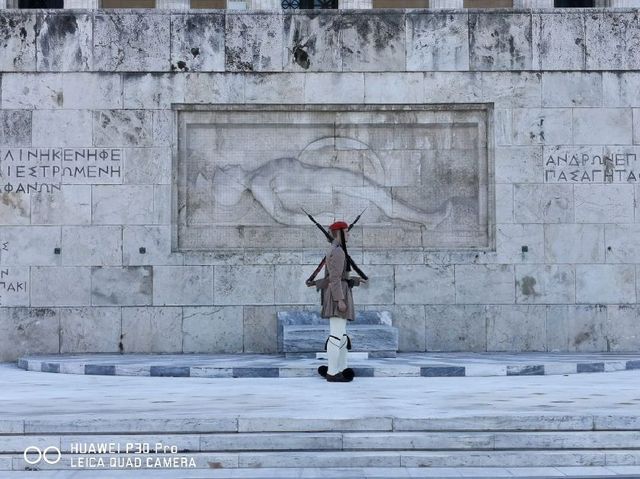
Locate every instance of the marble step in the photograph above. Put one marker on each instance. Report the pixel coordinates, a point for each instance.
(347, 459)
(367, 337)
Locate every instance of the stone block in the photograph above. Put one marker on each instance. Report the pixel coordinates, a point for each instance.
(28, 331)
(254, 42)
(618, 278)
(71, 205)
(621, 89)
(92, 91)
(545, 284)
(602, 126)
(500, 41)
(439, 41)
(364, 337)
(210, 88)
(15, 209)
(197, 42)
(15, 128)
(380, 287)
(574, 89)
(606, 203)
(512, 239)
(275, 88)
(152, 330)
(622, 242)
(248, 285)
(411, 324)
(153, 90)
(504, 203)
(18, 33)
(576, 328)
(64, 42)
(162, 204)
(61, 128)
(156, 241)
(316, 35)
(92, 246)
(636, 126)
(371, 42)
(475, 283)
(523, 164)
(334, 88)
(545, 126)
(182, 285)
(147, 166)
(90, 330)
(290, 287)
(622, 328)
(32, 91)
(212, 329)
(512, 89)
(456, 328)
(163, 128)
(440, 87)
(604, 54)
(561, 247)
(123, 205)
(120, 128)
(424, 284)
(538, 203)
(260, 329)
(126, 286)
(131, 42)
(408, 88)
(559, 41)
(60, 286)
(516, 328)
(14, 288)
(30, 245)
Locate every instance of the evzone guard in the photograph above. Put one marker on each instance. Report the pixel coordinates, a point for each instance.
(336, 298)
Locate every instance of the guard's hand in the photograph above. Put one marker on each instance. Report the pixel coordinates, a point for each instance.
(342, 306)
(309, 284)
(364, 281)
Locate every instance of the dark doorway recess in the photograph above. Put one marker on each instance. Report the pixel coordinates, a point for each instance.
(40, 4)
(573, 3)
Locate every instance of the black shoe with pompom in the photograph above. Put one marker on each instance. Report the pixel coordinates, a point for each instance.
(322, 371)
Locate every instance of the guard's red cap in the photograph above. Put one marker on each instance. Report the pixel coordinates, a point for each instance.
(338, 225)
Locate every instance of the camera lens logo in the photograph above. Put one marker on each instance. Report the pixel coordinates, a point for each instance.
(34, 455)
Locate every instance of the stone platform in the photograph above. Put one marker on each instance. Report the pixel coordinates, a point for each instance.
(274, 366)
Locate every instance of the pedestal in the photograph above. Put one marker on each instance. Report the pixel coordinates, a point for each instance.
(439, 4)
(173, 4)
(81, 4)
(355, 4)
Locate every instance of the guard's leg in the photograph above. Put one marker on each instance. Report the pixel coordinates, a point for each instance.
(336, 343)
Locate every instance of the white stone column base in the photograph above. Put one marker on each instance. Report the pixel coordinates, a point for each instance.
(265, 4)
(81, 4)
(355, 4)
(173, 4)
(532, 3)
(446, 4)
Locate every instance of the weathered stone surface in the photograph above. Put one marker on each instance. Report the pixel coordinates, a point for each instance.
(30, 245)
(364, 337)
(65, 42)
(559, 41)
(621, 89)
(411, 323)
(571, 89)
(516, 328)
(163, 127)
(260, 329)
(576, 328)
(126, 286)
(602, 126)
(153, 90)
(32, 91)
(318, 36)
(62, 127)
(275, 88)
(182, 285)
(15, 208)
(123, 205)
(197, 42)
(212, 329)
(623, 328)
(152, 330)
(334, 88)
(504, 203)
(408, 88)
(546, 126)
(131, 42)
(511, 240)
(214, 88)
(545, 284)
(538, 203)
(605, 283)
(254, 42)
(439, 41)
(14, 290)
(500, 41)
(66, 286)
(156, 244)
(28, 331)
(622, 242)
(92, 245)
(69, 205)
(512, 89)
(18, 32)
(604, 54)
(424, 284)
(244, 285)
(92, 91)
(476, 283)
(380, 287)
(519, 164)
(84, 330)
(456, 328)
(290, 287)
(162, 204)
(604, 203)
(122, 128)
(372, 42)
(15, 128)
(440, 87)
(147, 166)
(573, 243)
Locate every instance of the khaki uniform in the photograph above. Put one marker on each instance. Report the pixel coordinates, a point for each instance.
(334, 286)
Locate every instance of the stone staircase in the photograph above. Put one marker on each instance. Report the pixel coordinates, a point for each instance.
(282, 443)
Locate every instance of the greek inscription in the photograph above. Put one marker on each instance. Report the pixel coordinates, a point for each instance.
(14, 287)
(588, 168)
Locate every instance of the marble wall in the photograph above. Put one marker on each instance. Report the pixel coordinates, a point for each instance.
(91, 257)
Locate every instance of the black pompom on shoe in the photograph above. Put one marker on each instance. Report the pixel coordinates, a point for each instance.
(322, 371)
(348, 374)
(338, 378)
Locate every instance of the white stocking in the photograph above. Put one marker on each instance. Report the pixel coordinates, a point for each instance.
(337, 345)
